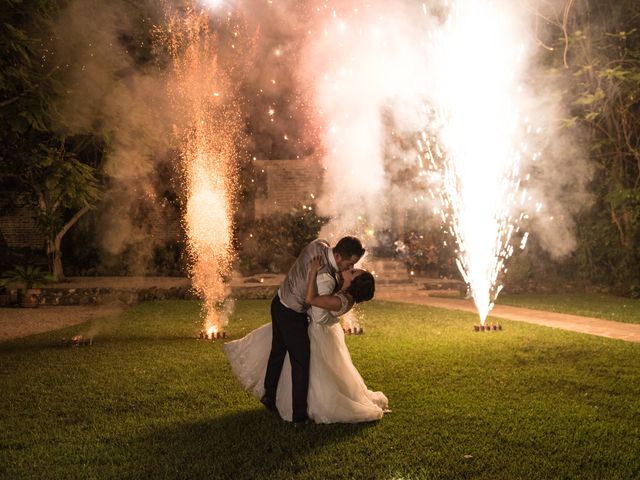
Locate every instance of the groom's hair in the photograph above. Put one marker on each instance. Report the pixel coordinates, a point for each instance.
(362, 287)
(347, 247)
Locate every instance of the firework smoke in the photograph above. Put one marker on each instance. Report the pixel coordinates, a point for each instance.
(462, 70)
(359, 66)
(336, 78)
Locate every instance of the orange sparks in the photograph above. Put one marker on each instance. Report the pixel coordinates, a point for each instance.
(206, 139)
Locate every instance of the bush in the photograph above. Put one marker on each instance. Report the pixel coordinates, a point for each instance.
(427, 254)
(271, 244)
(27, 276)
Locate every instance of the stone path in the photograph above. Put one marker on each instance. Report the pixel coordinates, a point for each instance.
(19, 322)
(592, 326)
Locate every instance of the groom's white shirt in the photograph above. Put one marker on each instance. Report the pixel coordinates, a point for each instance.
(294, 286)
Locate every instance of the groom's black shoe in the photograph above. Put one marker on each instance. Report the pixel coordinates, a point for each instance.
(269, 404)
(302, 423)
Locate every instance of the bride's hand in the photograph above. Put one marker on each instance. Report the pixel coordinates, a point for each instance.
(315, 264)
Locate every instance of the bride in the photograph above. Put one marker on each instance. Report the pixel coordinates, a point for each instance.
(337, 392)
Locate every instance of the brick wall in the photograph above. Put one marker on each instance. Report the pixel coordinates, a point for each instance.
(21, 231)
(283, 184)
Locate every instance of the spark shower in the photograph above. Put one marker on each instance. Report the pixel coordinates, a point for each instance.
(206, 140)
(477, 139)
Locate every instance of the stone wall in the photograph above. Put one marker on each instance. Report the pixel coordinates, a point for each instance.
(132, 296)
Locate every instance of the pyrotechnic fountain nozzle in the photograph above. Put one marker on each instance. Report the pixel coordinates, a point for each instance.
(354, 331)
(77, 341)
(212, 336)
(493, 327)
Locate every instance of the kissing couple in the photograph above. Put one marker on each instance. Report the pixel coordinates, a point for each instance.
(299, 365)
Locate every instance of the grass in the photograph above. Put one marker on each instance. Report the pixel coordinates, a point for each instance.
(147, 400)
(608, 307)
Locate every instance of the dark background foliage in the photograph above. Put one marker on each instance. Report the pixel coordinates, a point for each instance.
(597, 54)
(271, 244)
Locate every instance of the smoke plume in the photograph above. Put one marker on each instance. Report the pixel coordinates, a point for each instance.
(344, 82)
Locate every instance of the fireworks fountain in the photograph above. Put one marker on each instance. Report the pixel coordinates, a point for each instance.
(368, 69)
(467, 69)
(476, 140)
(207, 142)
(466, 65)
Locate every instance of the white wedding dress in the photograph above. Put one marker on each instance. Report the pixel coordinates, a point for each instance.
(337, 393)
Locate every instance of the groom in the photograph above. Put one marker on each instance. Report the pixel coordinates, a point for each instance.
(289, 321)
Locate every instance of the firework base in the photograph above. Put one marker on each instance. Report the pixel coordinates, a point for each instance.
(212, 336)
(354, 331)
(77, 341)
(494, 327)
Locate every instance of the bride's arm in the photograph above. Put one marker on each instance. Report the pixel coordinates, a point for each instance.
(327, 302)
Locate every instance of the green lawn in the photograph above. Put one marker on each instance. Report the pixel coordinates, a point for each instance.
(608, 307)
(147, 400)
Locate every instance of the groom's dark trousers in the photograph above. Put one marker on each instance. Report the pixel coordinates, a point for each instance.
(289, 335)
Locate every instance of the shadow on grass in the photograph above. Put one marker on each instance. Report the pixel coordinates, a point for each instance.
(247, 445)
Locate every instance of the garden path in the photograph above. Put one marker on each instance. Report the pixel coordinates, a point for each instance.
(19, 322)
(592, 326)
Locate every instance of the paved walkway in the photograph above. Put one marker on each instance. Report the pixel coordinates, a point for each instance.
(19, 322)
(592, 326)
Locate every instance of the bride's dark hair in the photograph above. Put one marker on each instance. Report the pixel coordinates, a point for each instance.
(362, 287)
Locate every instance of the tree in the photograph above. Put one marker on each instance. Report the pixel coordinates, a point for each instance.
(66, 189)
(598, 52)
(60, 186)
(27, 78)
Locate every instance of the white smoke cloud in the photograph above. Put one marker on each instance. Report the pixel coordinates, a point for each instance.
(113, 93)
(365, 59)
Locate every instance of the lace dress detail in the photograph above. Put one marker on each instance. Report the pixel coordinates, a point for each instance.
(347, 303)
(326, 285)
